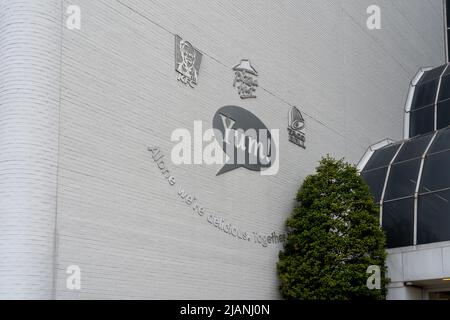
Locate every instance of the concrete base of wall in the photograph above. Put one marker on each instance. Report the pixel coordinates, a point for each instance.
(416, 270)
(399, 291)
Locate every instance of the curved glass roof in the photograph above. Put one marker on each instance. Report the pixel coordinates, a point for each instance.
(430, 106)
(411, 182)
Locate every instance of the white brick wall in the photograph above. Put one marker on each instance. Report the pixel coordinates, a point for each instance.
(121, 222)
(30, 38)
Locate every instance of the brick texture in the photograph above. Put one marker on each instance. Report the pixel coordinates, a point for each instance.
(117, 217)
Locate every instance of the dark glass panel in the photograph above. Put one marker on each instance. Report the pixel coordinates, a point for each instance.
(448, 44)
(443, 114)
(448, 37)
(447, 72)
(375, 179)
(424, 94)
(444, 92)
(436, 172)
(448, 12)
(382, 157)
(421, 121)
(414, 148)
(433, 218)
(398, 222)
(433, 74)
(402, 180)
(441, 142)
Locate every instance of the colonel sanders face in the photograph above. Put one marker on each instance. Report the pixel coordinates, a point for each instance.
(187, 54)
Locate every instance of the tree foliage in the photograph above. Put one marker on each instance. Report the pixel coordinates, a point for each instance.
(334, 237)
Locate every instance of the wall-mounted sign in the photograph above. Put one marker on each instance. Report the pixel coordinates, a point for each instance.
(187, 62)
(214, 219)
(296, 124)
(246, 141)
(244, 79)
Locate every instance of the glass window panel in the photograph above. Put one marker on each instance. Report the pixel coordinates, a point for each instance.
(447, 72)
(436, 172)
(414, 148)
(448, 37)
(443, 116)
(432, 74)
(448, 12)
(441, 142)
(433, 218)
(448, 44)
(382, 157)
(444, 92)
(402, 180)
(375, 179)
(421, 121)
(398, 222)
(424, 94)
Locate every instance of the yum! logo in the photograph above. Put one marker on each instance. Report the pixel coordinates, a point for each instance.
(238, 139)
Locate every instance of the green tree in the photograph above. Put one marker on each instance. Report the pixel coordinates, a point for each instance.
(334, 237)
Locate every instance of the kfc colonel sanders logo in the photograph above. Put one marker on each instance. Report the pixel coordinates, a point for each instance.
(187, 61)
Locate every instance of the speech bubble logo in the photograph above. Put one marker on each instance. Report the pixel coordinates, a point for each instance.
(245, 139)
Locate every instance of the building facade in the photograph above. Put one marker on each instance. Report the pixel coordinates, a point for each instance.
(92, 94)
(410, 182)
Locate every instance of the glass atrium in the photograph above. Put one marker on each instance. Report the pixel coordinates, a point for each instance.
(411, 179)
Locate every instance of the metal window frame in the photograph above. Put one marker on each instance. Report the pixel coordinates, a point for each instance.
(386, 180)
(410, 97)
(406, 137)
(438, 91)
(446, 53)
(419, 181)
(370, 151)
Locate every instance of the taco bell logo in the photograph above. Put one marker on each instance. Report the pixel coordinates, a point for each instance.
(238, 139)
(295, 126)
(187, 62)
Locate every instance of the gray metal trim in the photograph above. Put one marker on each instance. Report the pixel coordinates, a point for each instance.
(400, 198)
